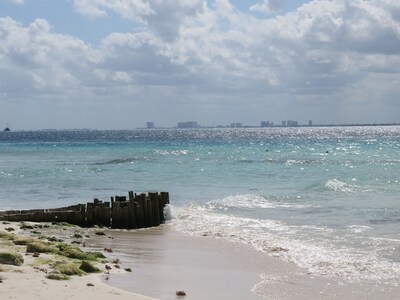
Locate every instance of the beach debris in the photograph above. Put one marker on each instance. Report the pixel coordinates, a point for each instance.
(99, 233)
(108, 267)
(9, 229)
(276, 249)
(117, 266)
(77, 235)
(6, 223)
(36, 254)
(128, 269)
(180, 293)
(109, 250)
(44, 270)
(89, 284)
(115, 261)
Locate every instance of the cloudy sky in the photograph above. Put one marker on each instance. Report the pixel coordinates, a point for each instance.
(115, 64)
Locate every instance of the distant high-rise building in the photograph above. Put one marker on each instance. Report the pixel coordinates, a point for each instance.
(283, 123)
(149, 125)
(310, 123)
(291, 123)
(266, 124)
(188, 124)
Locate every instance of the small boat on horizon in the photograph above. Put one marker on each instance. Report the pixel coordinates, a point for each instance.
(7, 129)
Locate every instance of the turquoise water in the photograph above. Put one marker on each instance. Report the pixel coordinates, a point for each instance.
(324, 198)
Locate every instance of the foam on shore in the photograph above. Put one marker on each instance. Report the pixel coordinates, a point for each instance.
(164, 260)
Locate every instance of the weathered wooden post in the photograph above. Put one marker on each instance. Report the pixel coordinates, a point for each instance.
(155, 209)
(131, 214)
(90, 214)
(139, 211)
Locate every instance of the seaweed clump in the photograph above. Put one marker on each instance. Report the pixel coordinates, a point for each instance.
(40, 247)
(88, 267)
(11, 258)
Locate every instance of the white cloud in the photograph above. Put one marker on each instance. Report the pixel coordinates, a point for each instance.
(128, 9)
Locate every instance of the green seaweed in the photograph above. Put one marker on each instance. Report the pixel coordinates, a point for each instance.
(41, 247)
(57, 276)
(23, 241)
(77, 236)
(6, 236)
(23, 225)
(88, 267)
(67, 268)
(11, 258)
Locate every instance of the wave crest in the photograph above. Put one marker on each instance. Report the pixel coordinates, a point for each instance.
(338, 186)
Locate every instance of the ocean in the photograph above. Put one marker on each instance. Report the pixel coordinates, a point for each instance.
(324, 198)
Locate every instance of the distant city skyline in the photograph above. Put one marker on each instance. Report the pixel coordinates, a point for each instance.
(117, 64)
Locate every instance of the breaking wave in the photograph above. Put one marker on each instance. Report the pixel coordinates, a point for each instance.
(338, 186)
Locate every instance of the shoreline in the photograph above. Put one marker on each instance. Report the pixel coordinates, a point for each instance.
(164, 260)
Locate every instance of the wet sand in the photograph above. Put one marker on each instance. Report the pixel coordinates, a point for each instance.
(164, 261)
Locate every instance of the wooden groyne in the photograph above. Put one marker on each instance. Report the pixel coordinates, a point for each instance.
(135, 211)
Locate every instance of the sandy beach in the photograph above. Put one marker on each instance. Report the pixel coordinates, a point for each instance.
(28, 281)
(164, 261)
(207, 268)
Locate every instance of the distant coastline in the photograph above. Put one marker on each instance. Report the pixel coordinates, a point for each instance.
(7, 129)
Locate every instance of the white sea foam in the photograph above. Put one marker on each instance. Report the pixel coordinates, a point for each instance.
(318, 250)
(169, 212)
(338, 186)
(252, 201)
(358, 228)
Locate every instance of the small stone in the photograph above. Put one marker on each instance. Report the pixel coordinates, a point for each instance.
(89, 284)
(180, 293)
(116, 261)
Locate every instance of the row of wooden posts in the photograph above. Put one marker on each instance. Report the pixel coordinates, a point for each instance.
(135, 211)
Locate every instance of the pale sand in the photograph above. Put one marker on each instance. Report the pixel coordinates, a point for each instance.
(26, 282)
(164, 261)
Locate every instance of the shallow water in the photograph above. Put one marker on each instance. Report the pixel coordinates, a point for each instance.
(324, 198)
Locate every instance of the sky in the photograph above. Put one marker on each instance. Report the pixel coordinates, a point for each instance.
(116, 64)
